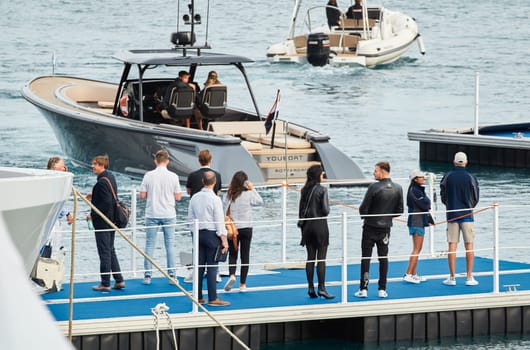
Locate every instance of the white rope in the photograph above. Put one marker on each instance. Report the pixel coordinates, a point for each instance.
(158, 311)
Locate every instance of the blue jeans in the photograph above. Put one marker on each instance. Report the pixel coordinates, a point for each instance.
(208, 243)
(151, 234)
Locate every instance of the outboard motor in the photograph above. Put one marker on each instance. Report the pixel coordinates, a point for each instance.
(318, 49)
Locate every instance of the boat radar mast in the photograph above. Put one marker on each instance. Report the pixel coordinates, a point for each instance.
(186, 39)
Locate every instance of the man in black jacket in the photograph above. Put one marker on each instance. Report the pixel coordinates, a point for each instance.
(102, 198)
(382, 202)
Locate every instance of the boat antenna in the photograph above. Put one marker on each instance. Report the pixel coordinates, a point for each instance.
(207, 22)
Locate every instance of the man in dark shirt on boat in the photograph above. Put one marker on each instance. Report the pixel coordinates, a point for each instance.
(102, 197)
(460, 192)
(182, 83)
(355, 11)
(382, 202)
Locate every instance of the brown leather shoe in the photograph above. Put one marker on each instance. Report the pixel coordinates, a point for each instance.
(202, 301)
(101, 288)
(119, 285)
(218, 302)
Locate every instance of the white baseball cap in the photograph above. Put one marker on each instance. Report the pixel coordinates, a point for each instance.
(416, 173)
(460, 157)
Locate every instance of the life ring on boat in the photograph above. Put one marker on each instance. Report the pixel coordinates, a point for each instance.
(124, 105)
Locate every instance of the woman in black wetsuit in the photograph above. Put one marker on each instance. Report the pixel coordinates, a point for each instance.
(314, 203)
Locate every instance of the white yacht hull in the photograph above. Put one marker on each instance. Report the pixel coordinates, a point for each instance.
(31, 202)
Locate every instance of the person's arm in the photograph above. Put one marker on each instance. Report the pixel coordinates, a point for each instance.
(443, 189)
(220, 223)
(143, 195)
(325, 202)
(255, 198)
(364, 208)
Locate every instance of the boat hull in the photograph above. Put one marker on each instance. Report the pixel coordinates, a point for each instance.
(131, 144)
(32, 201)
(504, 146)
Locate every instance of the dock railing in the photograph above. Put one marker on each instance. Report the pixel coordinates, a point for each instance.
(344, 228)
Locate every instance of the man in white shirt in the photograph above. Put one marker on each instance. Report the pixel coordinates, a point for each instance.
(206, 207)
(161, 188)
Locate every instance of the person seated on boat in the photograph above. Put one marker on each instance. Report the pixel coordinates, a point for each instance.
(332, 13)
(181, 82)
(212, 79)
(355, 11)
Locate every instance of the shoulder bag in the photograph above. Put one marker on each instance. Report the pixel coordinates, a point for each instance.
(231, 229)
(301, 223)
(121, 212)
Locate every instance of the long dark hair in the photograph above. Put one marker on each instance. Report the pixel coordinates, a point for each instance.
(237, 185)
(313, 178)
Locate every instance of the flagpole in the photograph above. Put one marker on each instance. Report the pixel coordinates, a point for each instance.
(286, 128)
(275, 117)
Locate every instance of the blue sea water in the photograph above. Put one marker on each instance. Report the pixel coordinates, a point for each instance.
(367, 112)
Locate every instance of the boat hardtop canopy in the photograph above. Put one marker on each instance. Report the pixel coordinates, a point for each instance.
(172, 57)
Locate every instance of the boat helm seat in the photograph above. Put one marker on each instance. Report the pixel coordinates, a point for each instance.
(181, 102)
(213, 101)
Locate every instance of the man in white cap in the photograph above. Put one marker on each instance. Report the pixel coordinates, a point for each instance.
(460, 192)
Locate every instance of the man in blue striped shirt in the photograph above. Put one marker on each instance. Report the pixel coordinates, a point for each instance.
(206, 207)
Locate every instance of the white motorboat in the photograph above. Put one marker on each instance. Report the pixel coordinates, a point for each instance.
(31, 202)
(380, 37)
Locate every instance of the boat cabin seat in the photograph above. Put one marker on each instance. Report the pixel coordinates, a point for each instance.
(213, 101)
(181, 102)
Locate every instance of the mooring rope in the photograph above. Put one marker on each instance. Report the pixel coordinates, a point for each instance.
(159, 268)
(158, 311)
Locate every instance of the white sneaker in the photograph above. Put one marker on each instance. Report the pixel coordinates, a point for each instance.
(361, 293)
(189, 278)
(243, 288)
(410, 279)
(218, 278)
(450, 281)
(147, 280)
(230, 283)
(471, 281)
(420, 278)
(382, 293)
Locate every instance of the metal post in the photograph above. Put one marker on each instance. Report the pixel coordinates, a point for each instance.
(496, 248)
(432, 195)
(195, 240)
(344, 297)
(284, 222)
(133, 225)
(475, 131)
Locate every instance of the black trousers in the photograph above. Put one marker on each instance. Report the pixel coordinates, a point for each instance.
(379, 237)
(108, 261)
(243, 238)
